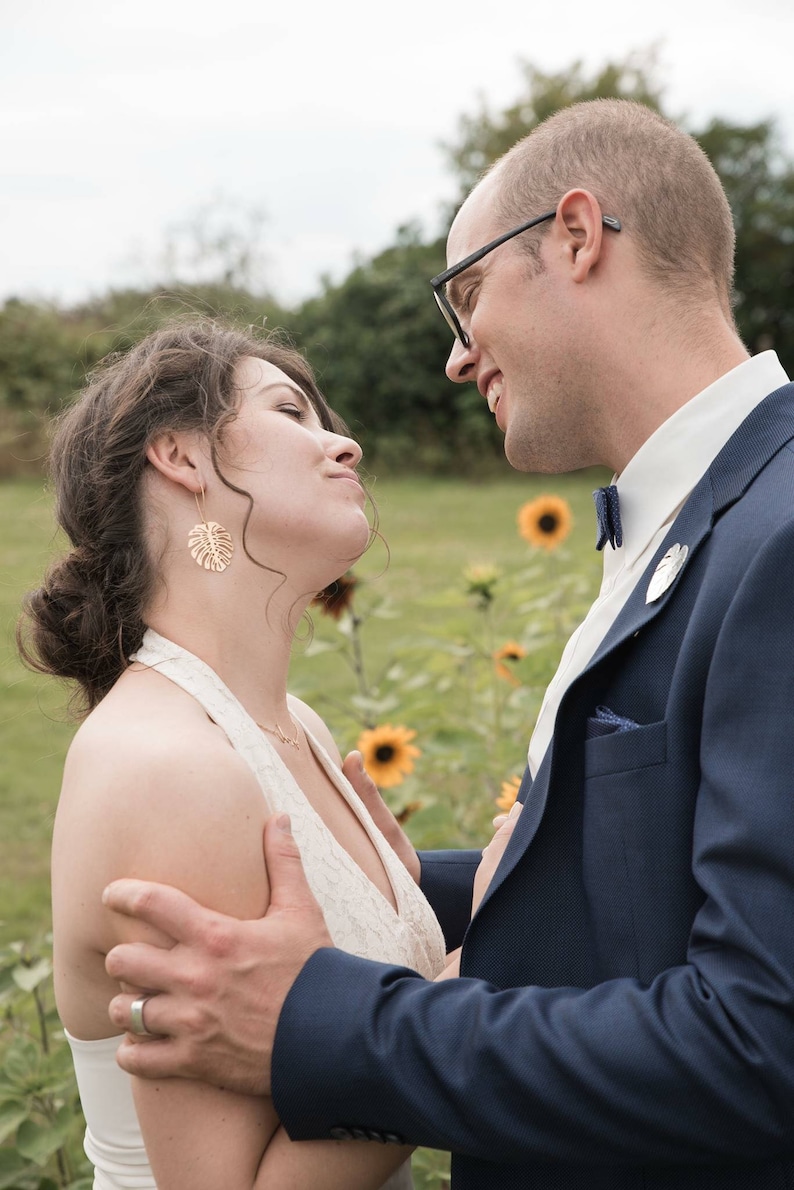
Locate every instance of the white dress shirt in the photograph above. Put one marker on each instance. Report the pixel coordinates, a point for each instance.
(653, 488)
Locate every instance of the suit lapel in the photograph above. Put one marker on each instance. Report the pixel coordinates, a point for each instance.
(762, 434)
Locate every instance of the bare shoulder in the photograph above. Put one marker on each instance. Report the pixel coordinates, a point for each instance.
(153, 787)
(145, 728)
(316, 726)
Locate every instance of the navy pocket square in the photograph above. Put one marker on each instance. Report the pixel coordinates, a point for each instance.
(606, 722)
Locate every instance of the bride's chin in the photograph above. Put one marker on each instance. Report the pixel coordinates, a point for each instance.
(361, 541)
(341, 557)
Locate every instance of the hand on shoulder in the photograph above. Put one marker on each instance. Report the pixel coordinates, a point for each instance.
(222, 984)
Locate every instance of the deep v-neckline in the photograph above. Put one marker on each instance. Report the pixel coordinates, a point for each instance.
(343, 786)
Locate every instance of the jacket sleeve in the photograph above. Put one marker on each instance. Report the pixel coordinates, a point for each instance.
(696, 1066)
(447, 882)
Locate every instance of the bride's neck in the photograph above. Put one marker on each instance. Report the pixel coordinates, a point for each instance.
(245, 637)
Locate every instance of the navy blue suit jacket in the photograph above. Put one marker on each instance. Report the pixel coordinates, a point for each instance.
(625, 1012)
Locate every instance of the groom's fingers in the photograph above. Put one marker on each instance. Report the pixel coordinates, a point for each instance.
(387, 824)
(159, 905)
(191, 926)
(289, 888)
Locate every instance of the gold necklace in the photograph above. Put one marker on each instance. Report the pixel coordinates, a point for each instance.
(285, 739)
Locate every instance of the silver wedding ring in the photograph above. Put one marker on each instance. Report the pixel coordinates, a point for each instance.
(137, 1024)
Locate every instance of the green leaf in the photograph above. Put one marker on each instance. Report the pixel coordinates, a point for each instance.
(417, 682)
(12, 1165)
(8, 988)
(59, 1067)
(29, 977)
(385, 611)
(375, 708)
(317, 646)
(345, 626)
(38, 1142)
(12, 1113)
(21, 1060)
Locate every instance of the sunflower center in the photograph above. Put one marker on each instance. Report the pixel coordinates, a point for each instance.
(547, 523)
(384, 753)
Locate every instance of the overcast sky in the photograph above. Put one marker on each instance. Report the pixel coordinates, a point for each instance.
(119, 121)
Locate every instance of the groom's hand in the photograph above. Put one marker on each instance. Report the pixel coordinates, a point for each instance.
(220, 988)
(381, 815)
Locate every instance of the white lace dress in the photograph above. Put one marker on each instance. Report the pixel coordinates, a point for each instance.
(359, 917)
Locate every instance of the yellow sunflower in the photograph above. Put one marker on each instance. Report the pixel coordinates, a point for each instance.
(511, 651)
(336, 598)
(545, 522)
(507, 797)
(388, 754)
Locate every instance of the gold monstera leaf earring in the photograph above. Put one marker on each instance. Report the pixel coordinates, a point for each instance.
(209, 543)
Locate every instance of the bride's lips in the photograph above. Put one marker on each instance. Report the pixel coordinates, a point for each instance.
(348, 477)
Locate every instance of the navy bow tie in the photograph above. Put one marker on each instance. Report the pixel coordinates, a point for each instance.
(608, 513)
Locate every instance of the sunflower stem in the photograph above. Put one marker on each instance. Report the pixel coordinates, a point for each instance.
(496, 701)
(357, 656)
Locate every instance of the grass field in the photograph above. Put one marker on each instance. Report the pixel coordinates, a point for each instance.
(419, 653)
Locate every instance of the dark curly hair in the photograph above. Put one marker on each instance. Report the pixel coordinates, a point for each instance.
(85, 620)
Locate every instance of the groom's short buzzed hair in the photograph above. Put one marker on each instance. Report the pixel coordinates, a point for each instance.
(644, 170)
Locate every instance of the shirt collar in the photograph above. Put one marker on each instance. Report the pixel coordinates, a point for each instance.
(663, 472)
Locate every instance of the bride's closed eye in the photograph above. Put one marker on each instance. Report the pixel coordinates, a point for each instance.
(294, 411)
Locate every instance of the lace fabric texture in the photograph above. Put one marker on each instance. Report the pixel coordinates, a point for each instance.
(359, 918)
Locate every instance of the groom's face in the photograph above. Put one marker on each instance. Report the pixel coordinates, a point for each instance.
(525, 343)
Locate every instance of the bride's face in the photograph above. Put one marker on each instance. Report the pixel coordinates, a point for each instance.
(308, 502)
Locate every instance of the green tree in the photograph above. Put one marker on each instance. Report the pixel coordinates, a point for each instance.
(759, 179)
(44, 355)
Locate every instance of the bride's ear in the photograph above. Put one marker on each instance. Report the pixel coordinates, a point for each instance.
(178, 458)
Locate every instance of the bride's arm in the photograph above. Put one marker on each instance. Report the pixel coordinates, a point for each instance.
(198, 821)
(199, 1138)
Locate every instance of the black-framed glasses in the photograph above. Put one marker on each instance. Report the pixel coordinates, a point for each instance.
(441, 280)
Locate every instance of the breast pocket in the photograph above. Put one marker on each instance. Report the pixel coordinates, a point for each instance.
(618, 748)
(636, 850)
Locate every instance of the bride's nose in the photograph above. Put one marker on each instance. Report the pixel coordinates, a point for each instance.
(344, 450)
